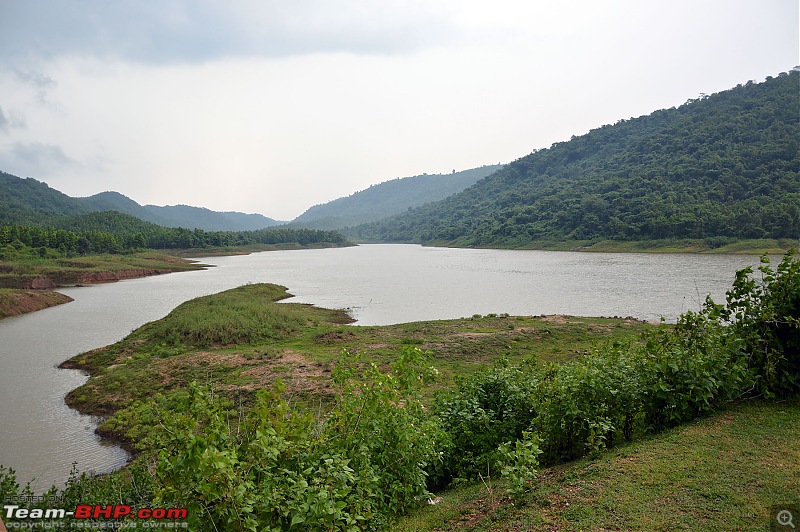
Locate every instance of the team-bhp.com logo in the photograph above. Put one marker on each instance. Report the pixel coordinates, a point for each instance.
(17, 517)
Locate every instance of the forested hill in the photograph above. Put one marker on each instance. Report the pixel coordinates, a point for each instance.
(32, 202)
(389, 198)
(115, 232)
(721, 166)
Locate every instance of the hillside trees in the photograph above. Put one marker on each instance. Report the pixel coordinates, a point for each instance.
(112, 232)
(724, 166)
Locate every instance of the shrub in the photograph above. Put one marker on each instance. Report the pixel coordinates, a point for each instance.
(275, 468)
(484, 411)
(765, 315)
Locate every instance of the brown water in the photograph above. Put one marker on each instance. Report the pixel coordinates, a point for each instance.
(40, 437)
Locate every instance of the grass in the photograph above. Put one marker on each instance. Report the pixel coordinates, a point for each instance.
(64, 271)
(722, 472)
(25, 271)
(243, 339)
(728, 471)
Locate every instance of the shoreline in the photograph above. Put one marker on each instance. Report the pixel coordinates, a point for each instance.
(683, 246)
(96, 269)
(15, 302)
(743, 247)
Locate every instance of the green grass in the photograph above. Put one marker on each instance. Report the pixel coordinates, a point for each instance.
(723, 472)
(243, 339)
(64, 271)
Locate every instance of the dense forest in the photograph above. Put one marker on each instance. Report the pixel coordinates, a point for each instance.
(722, 166)
(389, 198)
(31, 202)
(113, 232)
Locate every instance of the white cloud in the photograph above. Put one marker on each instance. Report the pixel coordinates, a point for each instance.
(273, 106)
(190, 31)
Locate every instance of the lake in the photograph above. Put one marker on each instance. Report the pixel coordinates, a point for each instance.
(380, 284)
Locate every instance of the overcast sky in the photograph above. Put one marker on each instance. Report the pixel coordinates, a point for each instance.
(273, 106)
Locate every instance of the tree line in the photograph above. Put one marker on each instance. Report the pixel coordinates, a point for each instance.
(113, 232)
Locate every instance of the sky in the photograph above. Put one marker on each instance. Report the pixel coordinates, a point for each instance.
(270, 107)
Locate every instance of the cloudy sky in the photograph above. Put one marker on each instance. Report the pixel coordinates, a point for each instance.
(273, 106)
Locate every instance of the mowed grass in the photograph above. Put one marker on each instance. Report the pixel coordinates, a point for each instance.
(729, 471)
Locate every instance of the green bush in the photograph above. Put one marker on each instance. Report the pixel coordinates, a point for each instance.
(765, 315)
(274, 468)
(750, 345)
(483, 412)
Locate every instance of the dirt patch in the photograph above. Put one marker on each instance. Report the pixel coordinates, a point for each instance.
(299, 373)
(40, 283)
(14, 303)
(336, 336)
(560, 319)
(473, 335)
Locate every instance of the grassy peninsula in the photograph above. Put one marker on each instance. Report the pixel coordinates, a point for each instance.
(252, 413)
(242, 340)
(28, 280)
(634, 425)
(110, 246)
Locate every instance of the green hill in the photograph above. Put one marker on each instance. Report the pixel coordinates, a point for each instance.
(27, 201)
(721, 167)
(389, 198)
(206, 219)
(31, 202)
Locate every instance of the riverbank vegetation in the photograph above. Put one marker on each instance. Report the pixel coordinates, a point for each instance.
(758, 246)
(113, 232)
(259, 415)
(109, 246)
(30, 269)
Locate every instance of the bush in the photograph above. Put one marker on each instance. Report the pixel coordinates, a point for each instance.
(483, 412)
(765, 315)
(277, 468)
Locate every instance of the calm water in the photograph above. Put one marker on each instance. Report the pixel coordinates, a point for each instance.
(380, 284)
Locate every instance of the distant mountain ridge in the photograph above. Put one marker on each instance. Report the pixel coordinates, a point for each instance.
(722, 166)
(389, 198)
(31, 202)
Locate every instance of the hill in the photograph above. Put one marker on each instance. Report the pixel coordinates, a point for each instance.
(720, 167)
(179, 215)
(31, 202)
(389, 198)
(27, 201)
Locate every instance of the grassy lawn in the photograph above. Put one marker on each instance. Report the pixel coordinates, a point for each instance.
(725, 472)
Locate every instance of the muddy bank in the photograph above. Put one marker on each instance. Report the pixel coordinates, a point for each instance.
(16, 302)
(37, 293)
(118, 275)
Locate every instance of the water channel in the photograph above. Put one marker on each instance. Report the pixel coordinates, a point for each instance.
(40, 437)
